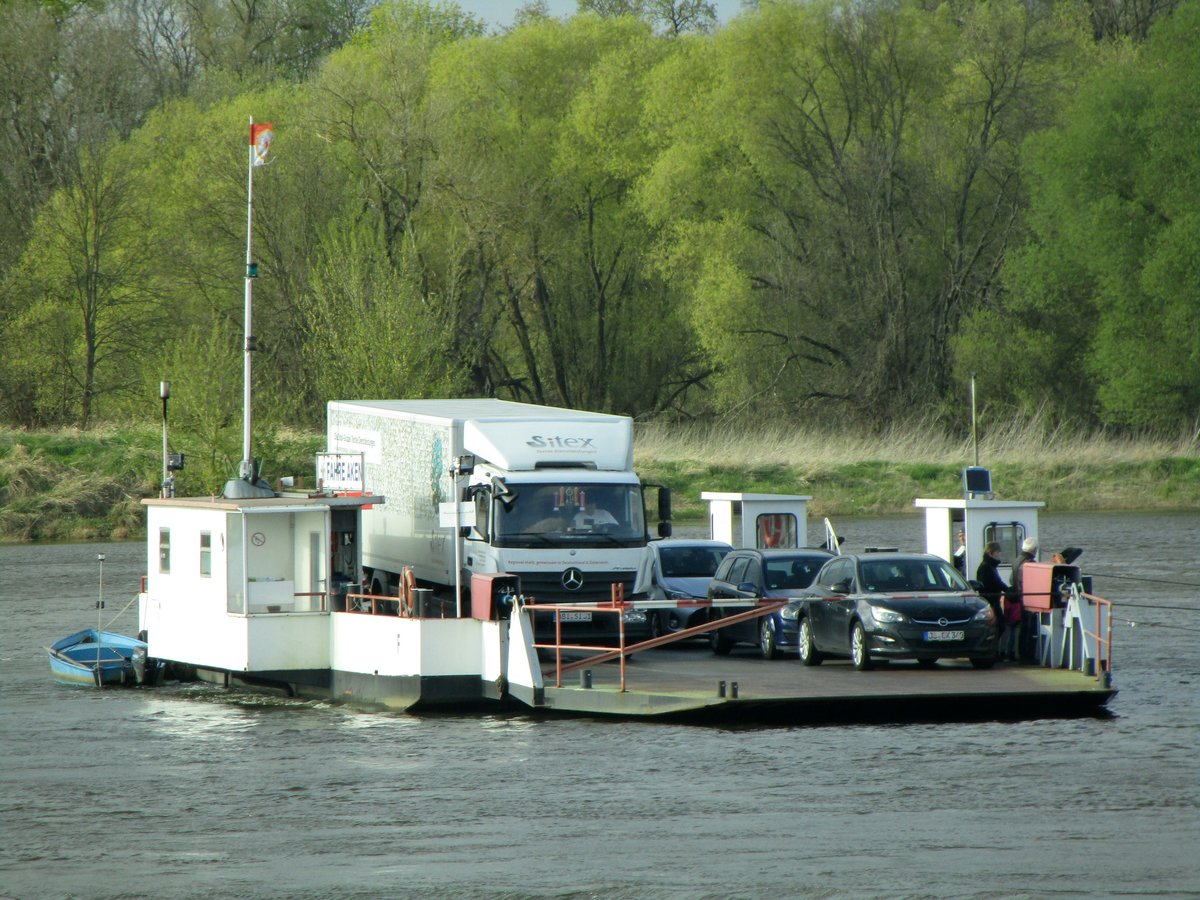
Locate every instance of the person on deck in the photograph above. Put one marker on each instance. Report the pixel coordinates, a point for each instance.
(1015, 601)
(960, 554)
(992, 586)
(1029, 549)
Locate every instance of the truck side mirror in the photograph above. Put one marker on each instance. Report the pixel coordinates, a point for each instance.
(664, 504)
(664, 529)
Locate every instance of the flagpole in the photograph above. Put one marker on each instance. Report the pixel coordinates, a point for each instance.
(248, 483)
(247, 469)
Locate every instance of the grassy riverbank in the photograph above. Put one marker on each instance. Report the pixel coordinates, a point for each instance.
(71, 485)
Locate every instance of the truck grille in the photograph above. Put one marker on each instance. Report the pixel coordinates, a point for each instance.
(547, 587)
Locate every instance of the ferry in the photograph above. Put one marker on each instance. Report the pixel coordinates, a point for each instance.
(261, 588)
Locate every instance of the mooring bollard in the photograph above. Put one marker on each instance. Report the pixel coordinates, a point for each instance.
(733, 690)
(585, 678)
(720, 689)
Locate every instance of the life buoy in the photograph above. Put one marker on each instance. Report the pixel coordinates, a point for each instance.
(408, 583)
(772, 530)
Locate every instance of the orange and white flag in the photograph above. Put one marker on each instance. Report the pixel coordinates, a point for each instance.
(260, 140)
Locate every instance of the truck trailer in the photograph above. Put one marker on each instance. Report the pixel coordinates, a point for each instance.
(546, 494)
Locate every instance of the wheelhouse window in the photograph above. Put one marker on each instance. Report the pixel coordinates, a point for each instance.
(164, 551)
(1009, 536)
(206, 554)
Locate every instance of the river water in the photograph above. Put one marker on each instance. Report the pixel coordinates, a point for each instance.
(186, 791)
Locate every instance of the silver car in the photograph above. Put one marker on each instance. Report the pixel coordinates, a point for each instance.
(683, 567)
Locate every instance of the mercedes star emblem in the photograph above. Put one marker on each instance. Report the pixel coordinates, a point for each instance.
(572, 579)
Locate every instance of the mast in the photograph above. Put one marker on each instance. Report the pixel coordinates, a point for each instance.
(247, 484)
(247, 468)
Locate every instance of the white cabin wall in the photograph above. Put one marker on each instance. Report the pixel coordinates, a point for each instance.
(185, 613)
(938, 537)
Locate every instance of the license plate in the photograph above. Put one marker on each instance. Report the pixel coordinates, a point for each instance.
(945, 635)
(574, 616)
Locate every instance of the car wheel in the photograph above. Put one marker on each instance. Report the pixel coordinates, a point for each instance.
(983, 662)
(720, 643)
(809, 654)
(766, 639)
(927, 663)
(859, 654)
(655, 626)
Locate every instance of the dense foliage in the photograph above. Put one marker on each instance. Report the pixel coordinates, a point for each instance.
(832, 210)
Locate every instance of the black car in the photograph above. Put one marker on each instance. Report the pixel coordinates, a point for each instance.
(877, 606)
(749, 575)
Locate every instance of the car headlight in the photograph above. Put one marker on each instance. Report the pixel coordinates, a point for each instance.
(791, 613)
(987, 614)
(886, 616)
(634, 616)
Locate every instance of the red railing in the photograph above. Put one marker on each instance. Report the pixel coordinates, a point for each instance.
(1103, 661)
(615, 606)
(369, 604)
(618, 605)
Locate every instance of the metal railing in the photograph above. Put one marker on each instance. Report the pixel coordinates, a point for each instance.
(1075, 632)
(1103, 661)
(605, 653)
(372, 604)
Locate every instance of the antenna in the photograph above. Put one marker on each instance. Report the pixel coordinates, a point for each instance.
(974, 427)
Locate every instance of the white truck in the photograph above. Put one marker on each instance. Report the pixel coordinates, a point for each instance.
(552, 495)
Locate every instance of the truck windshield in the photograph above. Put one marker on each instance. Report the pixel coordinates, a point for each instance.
(541, 515)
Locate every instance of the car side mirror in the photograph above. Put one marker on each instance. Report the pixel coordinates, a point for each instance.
(748, 587)
(976, 586)
(841, 587)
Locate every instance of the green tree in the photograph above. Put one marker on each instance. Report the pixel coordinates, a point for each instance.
(673, 17)
(555, 253)
(843, 191)
(1107, 288)
(87, 286)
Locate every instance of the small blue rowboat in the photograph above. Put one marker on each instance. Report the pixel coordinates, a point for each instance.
(101, 657)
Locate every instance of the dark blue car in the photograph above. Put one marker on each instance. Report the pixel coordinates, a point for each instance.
(751, 575)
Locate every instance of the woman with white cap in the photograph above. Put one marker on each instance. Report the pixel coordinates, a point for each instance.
(1029, 549)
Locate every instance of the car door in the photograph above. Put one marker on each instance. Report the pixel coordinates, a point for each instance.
(749, 587)
(724, 581)
(724, 584)
(831, 616)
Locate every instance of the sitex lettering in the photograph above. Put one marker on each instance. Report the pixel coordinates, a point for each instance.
(572, 442)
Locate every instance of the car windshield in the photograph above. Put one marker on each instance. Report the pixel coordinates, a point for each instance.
(690, 562)
(900, 576)
(787, 572)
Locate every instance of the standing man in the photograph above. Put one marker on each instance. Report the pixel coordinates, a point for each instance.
(960, 554)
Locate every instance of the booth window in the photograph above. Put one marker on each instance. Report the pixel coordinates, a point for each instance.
(206, 554)
(776, 530)
(164, 551)
(1009, 536)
